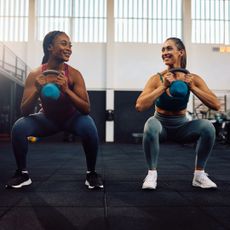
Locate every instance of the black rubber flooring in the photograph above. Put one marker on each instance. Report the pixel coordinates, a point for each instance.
(59, 200)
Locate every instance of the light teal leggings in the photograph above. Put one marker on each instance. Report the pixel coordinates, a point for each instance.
(160, 128)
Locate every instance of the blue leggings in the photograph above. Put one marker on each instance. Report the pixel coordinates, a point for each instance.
(39, 125)
(160, 128)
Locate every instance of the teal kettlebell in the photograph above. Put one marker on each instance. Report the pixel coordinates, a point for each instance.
(50, 90)
(178, 88)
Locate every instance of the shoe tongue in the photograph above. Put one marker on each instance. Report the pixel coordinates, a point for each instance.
(152, 172)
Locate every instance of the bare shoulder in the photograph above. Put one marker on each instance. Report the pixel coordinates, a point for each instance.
(153, 82)
(33, 73)
(74, 74)
(194, 75)
(157, 78)
(196, 78)
(163, 72)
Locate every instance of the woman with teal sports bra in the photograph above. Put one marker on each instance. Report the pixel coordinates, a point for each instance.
(169, 121)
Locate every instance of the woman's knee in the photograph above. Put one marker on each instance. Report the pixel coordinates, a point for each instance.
(87, 127)
(207, 128)
(152, 128)
(20, 127)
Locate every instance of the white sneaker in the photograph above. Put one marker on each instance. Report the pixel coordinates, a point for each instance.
(150, 181)
(201, 180)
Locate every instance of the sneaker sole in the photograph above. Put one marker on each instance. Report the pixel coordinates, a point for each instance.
(200, 186)
(92, 187)
(25, 183)
(148, 187)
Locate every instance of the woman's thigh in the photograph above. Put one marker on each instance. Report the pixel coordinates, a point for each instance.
(192, 130)
(35, 125)
(81, 125)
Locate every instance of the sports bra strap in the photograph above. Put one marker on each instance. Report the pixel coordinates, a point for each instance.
(44, 67)
(161, 77)
(66, 69)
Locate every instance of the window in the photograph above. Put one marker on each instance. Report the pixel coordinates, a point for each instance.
(211, 21)
(83, 20)
(147, 21)
(53, 15)
(14, 20)
(89, 21)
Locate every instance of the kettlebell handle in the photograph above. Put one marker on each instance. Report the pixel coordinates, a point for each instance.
(51, 71)
(182, 70)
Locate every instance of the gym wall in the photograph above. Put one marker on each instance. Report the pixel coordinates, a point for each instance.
(97, 101)
(127, 121)
(10, 99)
(125, 69)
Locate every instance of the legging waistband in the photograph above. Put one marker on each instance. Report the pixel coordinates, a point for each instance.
(172, 120)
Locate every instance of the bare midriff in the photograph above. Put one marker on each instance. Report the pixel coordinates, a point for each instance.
(171, 113)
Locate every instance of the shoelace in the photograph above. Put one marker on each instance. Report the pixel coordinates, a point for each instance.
(150, 178)
(203, 176)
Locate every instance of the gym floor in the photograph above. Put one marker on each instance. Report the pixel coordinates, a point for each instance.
(58, 198)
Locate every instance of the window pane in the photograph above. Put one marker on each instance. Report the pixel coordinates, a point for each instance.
(83, 20)
(150, 21)
(211, 21)
(14, 15)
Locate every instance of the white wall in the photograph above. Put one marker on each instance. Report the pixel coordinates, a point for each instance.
(90, 60)
(212, 66)
(133, 63)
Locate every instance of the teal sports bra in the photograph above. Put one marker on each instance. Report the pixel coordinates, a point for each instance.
(172, 103)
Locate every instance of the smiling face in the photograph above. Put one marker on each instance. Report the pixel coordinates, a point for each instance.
(61, 48)
(171, 55)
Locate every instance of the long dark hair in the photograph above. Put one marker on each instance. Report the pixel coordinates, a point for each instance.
(47, 41)
(180, 46)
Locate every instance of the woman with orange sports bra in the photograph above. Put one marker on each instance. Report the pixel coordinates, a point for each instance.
(169, 91)
(68, 112)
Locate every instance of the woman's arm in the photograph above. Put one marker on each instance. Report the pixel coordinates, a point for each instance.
(200, 89)
(153, 89)
(31, 93)
(79, 95)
